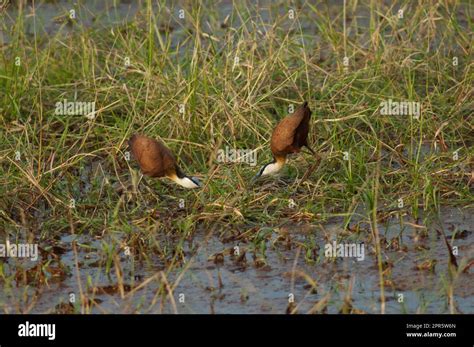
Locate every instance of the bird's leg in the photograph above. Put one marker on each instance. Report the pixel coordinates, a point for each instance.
(311, 150)
(310, 170)
(150, 188)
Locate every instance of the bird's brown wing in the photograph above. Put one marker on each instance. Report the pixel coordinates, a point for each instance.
(284, 139)
(153, 157)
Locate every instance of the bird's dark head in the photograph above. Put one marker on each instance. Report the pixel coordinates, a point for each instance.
(260, 172)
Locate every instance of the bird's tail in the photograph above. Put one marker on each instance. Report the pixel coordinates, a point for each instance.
(132, 140)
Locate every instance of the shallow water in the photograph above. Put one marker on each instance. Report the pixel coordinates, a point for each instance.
(50, 18)
(257, 288)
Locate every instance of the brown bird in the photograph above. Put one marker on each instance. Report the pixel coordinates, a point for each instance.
(156, 160)
(289, 136)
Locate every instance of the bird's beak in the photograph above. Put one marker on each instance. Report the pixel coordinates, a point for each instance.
(197, 181)
(254, 178)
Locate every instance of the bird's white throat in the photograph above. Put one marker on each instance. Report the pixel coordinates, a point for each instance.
(186, 182)
(272, 168)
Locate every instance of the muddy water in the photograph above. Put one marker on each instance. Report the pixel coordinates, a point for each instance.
(232, 285)
(50, 18)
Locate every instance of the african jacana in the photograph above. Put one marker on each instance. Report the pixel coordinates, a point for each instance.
(156, 160)
(289, 136)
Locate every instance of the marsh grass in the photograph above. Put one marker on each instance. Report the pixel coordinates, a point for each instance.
(192, 62)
